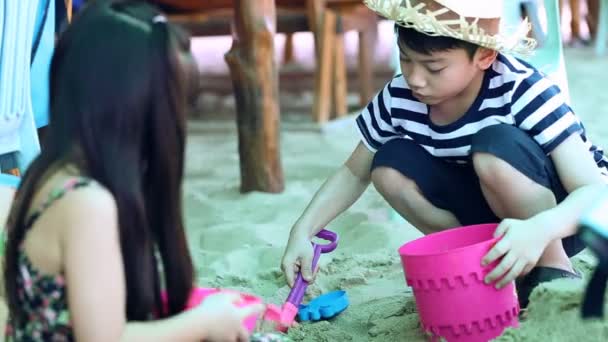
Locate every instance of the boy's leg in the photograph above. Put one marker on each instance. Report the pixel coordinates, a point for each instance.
(520, 181)
(430, 193)
(406, 198)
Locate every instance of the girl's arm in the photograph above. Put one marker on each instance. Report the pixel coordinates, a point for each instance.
(95, 279)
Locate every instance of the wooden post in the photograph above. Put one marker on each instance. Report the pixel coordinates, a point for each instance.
(255, 82)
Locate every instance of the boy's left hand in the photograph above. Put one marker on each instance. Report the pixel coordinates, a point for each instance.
(521, 245)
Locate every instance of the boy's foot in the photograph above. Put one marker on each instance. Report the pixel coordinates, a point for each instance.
(539, 274)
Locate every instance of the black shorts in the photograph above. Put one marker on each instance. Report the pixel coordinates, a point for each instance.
(455, 187)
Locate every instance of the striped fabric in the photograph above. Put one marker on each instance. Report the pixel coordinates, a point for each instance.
(42, 52)
(17, 128)
(513, 93)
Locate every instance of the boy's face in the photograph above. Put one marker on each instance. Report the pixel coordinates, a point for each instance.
(442, 75)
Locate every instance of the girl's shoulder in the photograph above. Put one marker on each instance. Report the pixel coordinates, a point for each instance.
(83, 199)
(73, 201)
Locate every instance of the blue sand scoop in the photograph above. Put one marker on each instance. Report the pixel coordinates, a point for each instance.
(325, 306)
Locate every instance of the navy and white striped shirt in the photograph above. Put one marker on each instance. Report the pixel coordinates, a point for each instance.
(513, 93)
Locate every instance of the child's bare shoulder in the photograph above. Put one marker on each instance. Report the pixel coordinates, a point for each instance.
(88, 204)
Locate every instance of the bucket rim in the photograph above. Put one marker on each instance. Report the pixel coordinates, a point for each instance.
(409, 244)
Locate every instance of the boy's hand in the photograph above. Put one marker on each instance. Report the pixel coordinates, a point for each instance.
(298, 257)
(521, 245)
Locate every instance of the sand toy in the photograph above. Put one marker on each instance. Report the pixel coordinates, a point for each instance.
(444, 270)
(199, 294)
(325, 307)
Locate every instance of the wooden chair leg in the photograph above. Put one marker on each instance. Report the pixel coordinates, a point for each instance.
(323, 71)
(340, 80)
(315, 9)
(288, 56)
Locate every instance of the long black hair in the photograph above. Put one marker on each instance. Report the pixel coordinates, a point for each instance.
(118, 96)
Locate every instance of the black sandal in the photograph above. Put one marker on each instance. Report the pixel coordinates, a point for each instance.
(539, 274)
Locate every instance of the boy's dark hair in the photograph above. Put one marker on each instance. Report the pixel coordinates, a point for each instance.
(118, 100)
(425, 44)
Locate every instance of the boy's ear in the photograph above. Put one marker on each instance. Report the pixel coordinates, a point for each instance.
(484, 57)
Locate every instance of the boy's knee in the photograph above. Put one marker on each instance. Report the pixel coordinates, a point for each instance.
(492, 151)
(391, 183)
(490, 169)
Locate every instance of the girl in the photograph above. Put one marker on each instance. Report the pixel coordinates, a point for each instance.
(95, 233)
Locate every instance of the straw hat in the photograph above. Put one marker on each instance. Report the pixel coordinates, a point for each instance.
(474, 21)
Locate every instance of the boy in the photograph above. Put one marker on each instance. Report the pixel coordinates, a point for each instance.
(467, 135)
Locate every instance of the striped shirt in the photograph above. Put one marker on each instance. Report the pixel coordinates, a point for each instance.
(512, 93)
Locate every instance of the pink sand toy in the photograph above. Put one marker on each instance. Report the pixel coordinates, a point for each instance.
(444, 270)
(200, 293)
(283, 317)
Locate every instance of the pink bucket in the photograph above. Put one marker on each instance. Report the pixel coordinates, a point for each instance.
(444, 270)
(199, 294)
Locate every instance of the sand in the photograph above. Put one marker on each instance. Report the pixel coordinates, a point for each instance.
(238, 240)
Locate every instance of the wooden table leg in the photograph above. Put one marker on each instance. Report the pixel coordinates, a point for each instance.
(340, 91)
(255, 82)
(323, 74)
(315, 9)
(288, 53)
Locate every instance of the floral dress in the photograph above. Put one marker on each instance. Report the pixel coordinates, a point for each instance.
(43, 297)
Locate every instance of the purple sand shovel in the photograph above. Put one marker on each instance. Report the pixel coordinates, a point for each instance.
(285, 316)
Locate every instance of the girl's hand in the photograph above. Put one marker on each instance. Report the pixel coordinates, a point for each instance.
(521, 245)
(221, 320)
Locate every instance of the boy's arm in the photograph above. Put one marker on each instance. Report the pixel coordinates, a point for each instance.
(337, 194)
(541, 110)
(346, 185)
(525, 240)
(583, 181)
